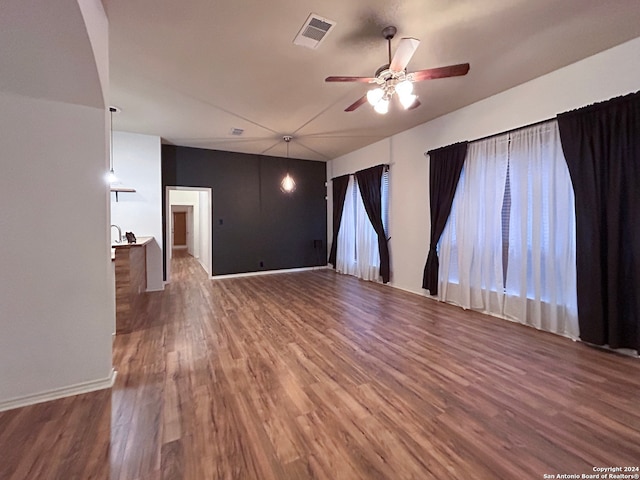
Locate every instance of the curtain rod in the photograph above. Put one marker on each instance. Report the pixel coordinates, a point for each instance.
(539, 122)
(385, 165)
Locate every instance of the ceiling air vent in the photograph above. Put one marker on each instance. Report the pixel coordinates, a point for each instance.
(314, 31)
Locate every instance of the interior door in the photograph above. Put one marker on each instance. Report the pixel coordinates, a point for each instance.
(179, 229)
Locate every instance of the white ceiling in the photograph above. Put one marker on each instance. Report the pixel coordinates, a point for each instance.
(191, 70)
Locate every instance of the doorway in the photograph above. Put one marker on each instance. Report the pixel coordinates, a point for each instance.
(179, 229)
(188, 211)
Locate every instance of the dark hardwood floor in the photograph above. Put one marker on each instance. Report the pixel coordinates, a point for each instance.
(318, 375)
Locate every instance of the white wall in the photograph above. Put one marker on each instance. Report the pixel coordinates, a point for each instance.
(56, 290)
(608, 74)
(137, 164)
(205, 230)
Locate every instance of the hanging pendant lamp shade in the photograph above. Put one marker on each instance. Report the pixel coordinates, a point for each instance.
(111, 177)
(288, 184)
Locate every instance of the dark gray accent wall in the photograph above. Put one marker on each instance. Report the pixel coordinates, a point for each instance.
(255, 225)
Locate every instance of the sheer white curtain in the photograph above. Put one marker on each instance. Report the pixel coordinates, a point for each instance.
(346, 250)
(541, 273)
(357, 252)
(470, 247)
(513, 218)
(367, 252)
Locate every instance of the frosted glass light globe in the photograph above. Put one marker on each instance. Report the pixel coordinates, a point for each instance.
(407, 100)
(374, 96)
(382, 106)
(404, 88)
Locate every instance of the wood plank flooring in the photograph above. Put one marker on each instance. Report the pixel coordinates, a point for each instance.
(314, 375)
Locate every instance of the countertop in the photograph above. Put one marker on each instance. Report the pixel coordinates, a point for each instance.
(140, 242)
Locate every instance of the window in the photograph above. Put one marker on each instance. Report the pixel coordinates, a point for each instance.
(357, 251)
(509, 245)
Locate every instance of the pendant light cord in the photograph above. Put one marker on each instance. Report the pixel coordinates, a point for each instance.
(111, 110)
(287, 139)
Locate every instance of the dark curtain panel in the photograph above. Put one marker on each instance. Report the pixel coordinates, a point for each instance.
(370, 184)
(601, 144)
(339, 187)
(445, 167)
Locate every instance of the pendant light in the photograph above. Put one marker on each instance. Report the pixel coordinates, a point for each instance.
(287, 185)
(111, 176)
(112, 180)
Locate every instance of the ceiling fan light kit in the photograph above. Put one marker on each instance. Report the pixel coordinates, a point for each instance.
(393, 78)
(400, 85)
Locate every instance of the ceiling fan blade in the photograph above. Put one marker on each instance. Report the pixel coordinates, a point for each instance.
(358, 103)
(406, 49)
(350, 79)
(440, 72)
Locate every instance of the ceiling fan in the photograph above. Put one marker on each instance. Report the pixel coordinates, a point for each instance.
(393, 77)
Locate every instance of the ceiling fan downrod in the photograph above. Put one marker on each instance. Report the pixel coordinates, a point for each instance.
(388, 33)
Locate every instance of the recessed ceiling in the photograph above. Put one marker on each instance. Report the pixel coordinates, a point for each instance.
(190, 71)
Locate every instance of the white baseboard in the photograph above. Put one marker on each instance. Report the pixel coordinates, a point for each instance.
(204, 267)
(267, 272)
(58, 393)
(422, 293)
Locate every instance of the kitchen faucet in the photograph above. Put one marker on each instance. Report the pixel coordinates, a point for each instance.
(119, 233)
